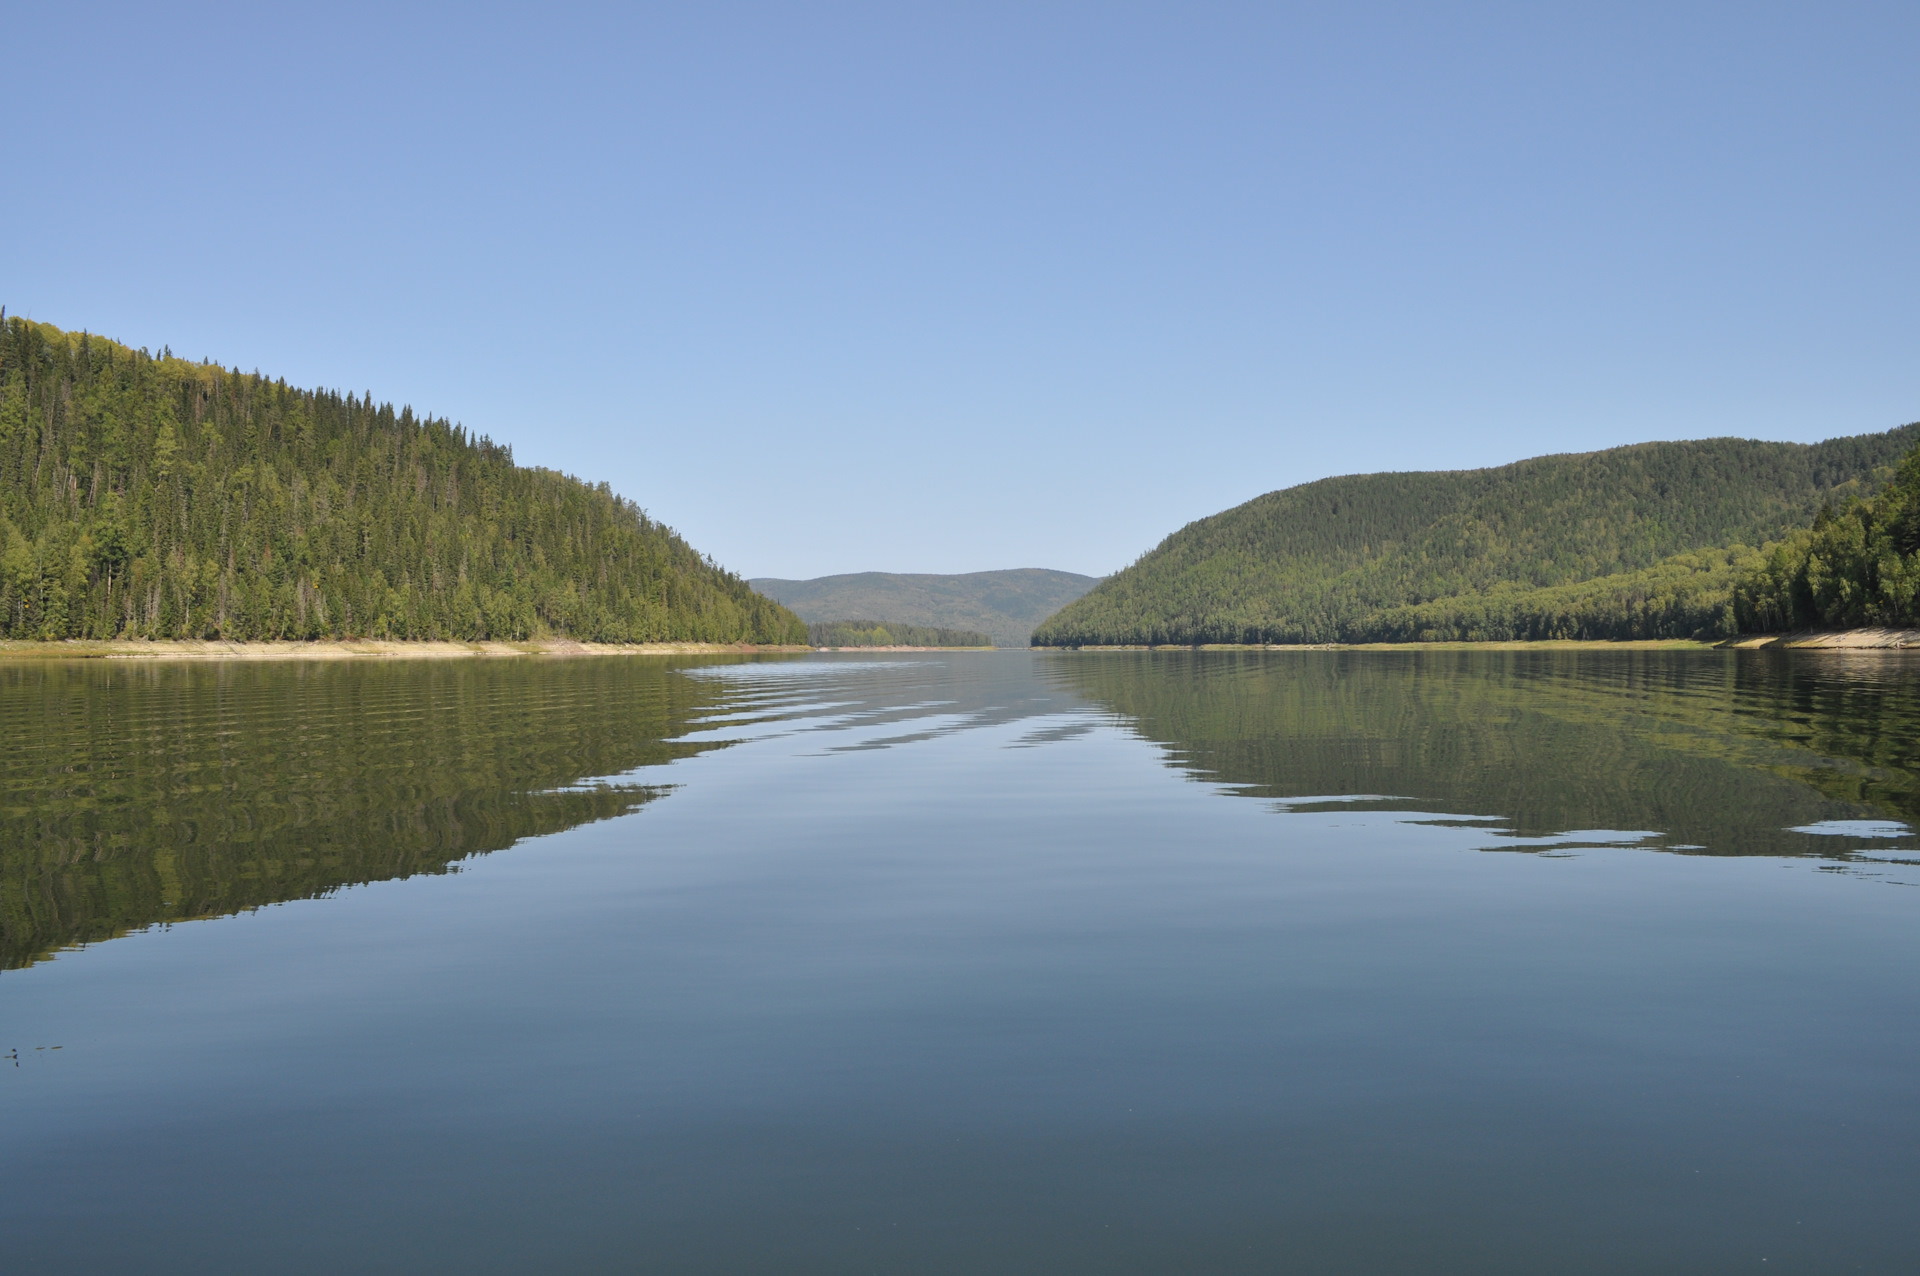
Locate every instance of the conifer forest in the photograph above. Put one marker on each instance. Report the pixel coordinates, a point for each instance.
(146, 496)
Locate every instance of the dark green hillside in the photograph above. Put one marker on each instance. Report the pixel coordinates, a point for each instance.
(1854, 566)
(145, 496)
(1323, 561)
(1004, 605)
(1690, 595)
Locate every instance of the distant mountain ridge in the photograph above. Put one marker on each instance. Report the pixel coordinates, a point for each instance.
(1004, 605)
(1344, 559)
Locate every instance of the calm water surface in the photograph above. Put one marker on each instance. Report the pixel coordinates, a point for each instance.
(1297, 961)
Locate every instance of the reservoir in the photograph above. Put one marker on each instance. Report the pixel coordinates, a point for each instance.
(1330, 961)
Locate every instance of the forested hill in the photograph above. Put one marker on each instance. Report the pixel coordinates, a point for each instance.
(146, 496)
(1342, 559)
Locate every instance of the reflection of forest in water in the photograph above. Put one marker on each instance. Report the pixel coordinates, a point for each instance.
(1724, 752)
(135, 793)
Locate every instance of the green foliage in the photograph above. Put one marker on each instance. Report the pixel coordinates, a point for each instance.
(890, 633)
(1857, 565)
(1343, 559)
(145, 496)
(1687, 596)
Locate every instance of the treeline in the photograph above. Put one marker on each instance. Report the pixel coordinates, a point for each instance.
(891, 633)
(1690, 595)
(1856, 565)
(1368, 557)
(146, 496)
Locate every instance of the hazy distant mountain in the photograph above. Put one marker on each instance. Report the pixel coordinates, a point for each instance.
(1004, 605)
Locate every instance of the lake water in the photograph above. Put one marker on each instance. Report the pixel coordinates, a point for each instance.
(1010, 962)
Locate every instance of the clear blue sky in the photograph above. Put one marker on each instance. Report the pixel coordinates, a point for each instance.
(915, 288)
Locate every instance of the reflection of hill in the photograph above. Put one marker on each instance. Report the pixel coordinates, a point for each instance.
(135, 794)
(1713, 750)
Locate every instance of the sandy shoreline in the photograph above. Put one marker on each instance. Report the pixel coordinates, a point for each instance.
(186, 649)
(1834, 640)
(183, 649)
(1556, 644)
(1841, 640)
